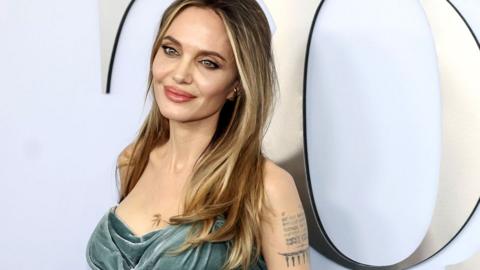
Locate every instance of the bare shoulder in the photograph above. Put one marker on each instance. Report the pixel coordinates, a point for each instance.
(279, 184)
(123, 160)
(284, 230)
(125, 155)
(281, 192)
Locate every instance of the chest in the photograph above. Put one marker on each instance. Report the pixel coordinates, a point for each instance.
(156, 197)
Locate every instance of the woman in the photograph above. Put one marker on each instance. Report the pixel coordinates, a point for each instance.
(196, 191)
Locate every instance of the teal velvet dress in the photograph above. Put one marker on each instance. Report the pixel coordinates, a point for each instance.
(113, 246)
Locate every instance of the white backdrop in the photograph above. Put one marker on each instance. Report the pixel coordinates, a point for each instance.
(59, 134)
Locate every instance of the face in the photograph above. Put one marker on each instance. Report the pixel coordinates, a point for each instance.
(194, 57)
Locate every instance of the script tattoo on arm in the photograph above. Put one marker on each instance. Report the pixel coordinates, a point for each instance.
(296, 238)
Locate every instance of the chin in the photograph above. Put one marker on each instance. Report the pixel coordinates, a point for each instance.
(174, 115)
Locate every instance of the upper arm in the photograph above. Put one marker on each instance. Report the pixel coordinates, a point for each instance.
(284, 229)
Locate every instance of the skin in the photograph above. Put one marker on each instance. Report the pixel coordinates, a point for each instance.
(284, 233)
(208, 77)
(181, 62)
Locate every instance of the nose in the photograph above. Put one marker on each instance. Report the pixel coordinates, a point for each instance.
(182, 72)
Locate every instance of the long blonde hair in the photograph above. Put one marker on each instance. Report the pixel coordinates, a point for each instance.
(227, 178)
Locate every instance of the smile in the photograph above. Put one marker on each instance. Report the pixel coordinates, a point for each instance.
(176, 96)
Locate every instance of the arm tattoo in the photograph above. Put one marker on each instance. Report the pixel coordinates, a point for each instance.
(296, 237)
(296, 257)
(294, 228)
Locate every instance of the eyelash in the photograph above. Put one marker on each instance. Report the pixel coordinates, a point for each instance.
(210, 65)
(166, 48)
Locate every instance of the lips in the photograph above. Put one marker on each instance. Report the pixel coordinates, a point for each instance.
(176, 95)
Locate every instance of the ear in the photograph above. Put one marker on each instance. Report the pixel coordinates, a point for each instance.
(231, 95)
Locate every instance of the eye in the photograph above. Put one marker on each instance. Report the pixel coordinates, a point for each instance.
(209, 64)
(169, 50)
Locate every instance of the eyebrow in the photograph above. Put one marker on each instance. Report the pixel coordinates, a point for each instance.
(204, 52)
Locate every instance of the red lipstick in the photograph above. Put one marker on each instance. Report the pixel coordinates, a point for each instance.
(177, 95)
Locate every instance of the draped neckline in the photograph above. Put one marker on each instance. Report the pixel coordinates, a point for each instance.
(113, 246)
(127, 228)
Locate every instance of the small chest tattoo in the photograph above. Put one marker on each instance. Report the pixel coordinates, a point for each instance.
(157, 219)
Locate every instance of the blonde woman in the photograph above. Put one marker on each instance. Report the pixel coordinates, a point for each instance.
(196, 191)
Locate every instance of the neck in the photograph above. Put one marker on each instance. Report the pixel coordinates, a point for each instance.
(186, 143)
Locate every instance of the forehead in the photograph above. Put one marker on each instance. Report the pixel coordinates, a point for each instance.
(202, 29)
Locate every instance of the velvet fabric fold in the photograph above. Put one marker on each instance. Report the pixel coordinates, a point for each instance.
(113, 246)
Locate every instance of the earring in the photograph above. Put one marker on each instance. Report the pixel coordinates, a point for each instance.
(236, 91)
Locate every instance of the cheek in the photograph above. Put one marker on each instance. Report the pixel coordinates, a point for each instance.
(214, 85)
(159, 70)
(213, 90)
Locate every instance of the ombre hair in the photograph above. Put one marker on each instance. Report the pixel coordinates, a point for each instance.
(227, 178)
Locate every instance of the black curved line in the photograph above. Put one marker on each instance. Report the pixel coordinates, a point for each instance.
(466, 23)
(304, 118)
(115, 44)
(478, 200)
(337, 255)
(453, 238)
